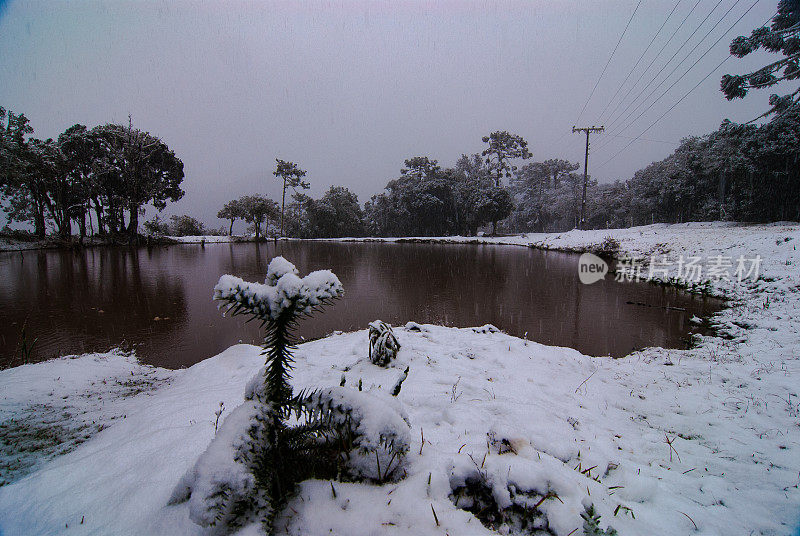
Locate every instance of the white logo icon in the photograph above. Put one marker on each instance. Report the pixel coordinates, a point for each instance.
(591, 268)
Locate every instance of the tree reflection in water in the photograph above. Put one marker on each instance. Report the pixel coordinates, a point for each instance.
(157, 301)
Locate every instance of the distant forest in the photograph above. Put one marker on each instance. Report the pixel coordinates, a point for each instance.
(745, 173)
(97, 181)
(742, 173)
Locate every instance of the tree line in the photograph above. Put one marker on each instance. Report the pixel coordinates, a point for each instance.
(748, 173)
(424, 200)
(739, 172)
(103, 176)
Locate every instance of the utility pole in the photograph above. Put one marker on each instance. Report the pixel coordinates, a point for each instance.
(592, 128)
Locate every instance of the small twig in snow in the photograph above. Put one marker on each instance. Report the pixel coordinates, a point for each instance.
(586, 380)
(692, 520)
(669, 441)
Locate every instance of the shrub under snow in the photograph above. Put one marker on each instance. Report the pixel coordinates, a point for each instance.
(383, 345)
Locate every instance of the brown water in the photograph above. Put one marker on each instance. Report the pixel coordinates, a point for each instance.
(157, 301)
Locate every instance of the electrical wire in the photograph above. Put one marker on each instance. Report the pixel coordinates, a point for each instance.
(640, 59)
(609, 61)
(688, 92)
(672, 58)
(663, 48)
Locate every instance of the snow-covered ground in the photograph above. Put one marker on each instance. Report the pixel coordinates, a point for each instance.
(661, 442)
(11, 244)
(49, 409)
(211, 239)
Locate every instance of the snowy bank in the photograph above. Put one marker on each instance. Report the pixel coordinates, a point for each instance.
(660, 442)
(49, 409)
(211, 239)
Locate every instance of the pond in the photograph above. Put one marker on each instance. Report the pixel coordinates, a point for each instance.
(157, 301)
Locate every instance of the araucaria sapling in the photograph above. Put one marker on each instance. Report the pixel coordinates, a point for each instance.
(252, 466)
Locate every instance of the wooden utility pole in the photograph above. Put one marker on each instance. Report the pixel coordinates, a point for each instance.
(592, 128)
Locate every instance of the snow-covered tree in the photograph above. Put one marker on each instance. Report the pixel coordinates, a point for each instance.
(503, 147)
(782, 36)
(142, 169)
(292, 177)
(257, 458)
(232, 210)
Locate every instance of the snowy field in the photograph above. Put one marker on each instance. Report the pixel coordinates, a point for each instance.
(701, 441)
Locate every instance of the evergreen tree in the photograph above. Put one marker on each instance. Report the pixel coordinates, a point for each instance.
(503, 147)
(80, 149)
(335, 214)
(232, 210)
(782, 36)
(292, 177)
(140, 169)
(257, 458)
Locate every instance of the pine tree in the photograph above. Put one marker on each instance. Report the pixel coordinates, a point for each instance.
(292, 177)
(783, 36)
(254, 463)
(503, 147)
(276, 304)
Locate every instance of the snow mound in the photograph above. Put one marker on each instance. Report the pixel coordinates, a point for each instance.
(220, 486)
(279, 267)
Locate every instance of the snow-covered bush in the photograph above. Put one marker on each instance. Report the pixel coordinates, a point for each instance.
(374, 428)
(499, 504)
(276, 439)
(607, 249)
(383, 345)
(521, 491)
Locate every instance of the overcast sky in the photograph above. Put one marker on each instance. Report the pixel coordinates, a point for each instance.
(350, 89)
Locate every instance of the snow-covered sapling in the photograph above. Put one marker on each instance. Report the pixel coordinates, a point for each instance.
(383, 345)
(258, 456)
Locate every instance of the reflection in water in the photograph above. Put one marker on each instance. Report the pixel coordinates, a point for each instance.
(96, 299)
(158, 300)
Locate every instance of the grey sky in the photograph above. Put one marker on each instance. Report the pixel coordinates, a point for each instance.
(350, 89)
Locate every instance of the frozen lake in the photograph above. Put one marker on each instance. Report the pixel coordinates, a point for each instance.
(157, 301)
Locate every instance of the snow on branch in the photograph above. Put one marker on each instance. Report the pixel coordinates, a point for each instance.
(283, 291)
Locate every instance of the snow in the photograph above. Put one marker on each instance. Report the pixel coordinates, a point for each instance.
(282, 290)
(219, 467)
(210, 239)
(277, 268)
(708, 436)
(49, 410)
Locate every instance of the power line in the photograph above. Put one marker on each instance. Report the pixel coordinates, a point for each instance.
(658, 73)
(688, 92)
(665, 113)
(721, 37)
(640, 57)
(671, 37)
(609, 61)
(644, 139)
